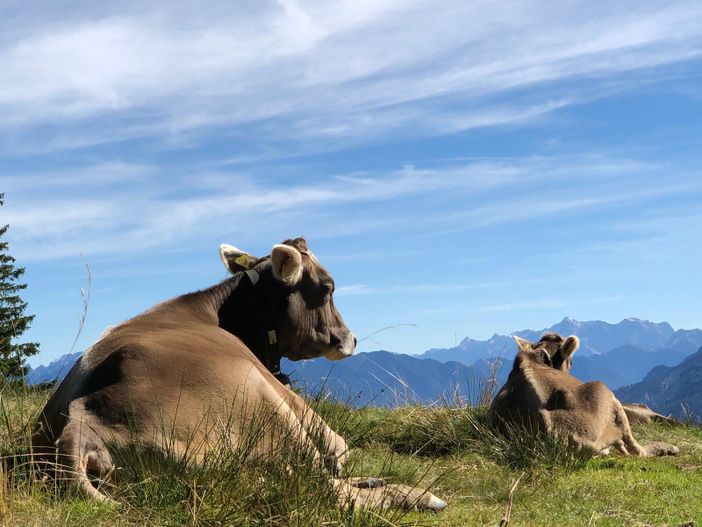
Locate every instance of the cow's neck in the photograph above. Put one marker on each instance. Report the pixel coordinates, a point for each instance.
(243, 311)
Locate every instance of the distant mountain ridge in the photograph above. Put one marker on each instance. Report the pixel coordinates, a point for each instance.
(624, 365)
(382, 378)
(596, 338)
(56, 369)
(616, 354)
(673, 390)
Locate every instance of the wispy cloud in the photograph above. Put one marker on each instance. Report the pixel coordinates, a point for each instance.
(553, 203)
(115, 218)
(320, 71)
(122, 220)
(78, 179)
(440, 287)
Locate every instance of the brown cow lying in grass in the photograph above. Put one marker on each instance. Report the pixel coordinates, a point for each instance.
(541, 393)
(636, 412)
(188, 371)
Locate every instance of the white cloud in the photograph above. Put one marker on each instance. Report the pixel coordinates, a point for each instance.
(52, 220)
(317, 71)
(80, 178)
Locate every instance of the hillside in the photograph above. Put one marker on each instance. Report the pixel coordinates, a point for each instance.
(382, 378)
(673, 390)
(624, 365)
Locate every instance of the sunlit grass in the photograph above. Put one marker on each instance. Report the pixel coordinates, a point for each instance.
(453, 450)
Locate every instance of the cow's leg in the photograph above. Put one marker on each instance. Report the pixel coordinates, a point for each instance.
(81, 451)
(619, 445)
(362, 482)
(296, 418)
(628, 443)
(602, 422)
(657, 448)
(332, 445)
(286, 425)
(640, 413)
(387, 496)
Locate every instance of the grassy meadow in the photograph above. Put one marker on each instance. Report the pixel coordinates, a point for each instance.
(450, 450)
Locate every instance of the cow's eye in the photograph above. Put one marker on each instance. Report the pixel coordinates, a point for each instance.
(327, 288)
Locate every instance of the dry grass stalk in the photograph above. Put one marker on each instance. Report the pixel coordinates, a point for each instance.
(504, 522)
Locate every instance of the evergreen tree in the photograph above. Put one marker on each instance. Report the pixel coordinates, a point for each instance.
(13, 321)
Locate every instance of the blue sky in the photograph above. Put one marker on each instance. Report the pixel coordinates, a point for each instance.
(461, 168)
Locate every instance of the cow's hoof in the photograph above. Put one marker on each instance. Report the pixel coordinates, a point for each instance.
(672, 450)
(434, 504)
(332, 463)
(659, 448)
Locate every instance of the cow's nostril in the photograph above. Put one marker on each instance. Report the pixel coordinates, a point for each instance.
(355, 341)
(334, 340)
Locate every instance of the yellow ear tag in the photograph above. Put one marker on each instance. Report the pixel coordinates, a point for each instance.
(242, 261)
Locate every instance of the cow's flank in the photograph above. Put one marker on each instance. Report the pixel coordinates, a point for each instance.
(559, 354)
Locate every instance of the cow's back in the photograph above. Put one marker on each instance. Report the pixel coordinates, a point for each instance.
(530, 389)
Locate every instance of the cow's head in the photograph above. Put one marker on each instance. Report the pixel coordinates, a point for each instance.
(296, 295)
(552, 350)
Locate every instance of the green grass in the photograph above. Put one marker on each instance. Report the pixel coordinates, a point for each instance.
(451, 450)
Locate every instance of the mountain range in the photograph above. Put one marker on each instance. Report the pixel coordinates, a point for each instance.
(382, 378)
(673, 390)
(635, 356)
(596, 338)
(55, 370)
(616, 354)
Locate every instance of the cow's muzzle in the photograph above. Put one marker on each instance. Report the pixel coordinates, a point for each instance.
(343, 349)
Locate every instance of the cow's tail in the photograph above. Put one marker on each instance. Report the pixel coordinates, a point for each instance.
(81, 451)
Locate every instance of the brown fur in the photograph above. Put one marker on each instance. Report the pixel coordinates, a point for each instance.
(541, 392)
(639, 413)
(554, 343)
(186, 364)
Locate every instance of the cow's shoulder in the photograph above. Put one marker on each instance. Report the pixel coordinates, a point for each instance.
(594, 395)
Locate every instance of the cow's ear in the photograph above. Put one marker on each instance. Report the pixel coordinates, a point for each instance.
(522, 344)
(569, 347)
(235, 260)
(287, 264)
